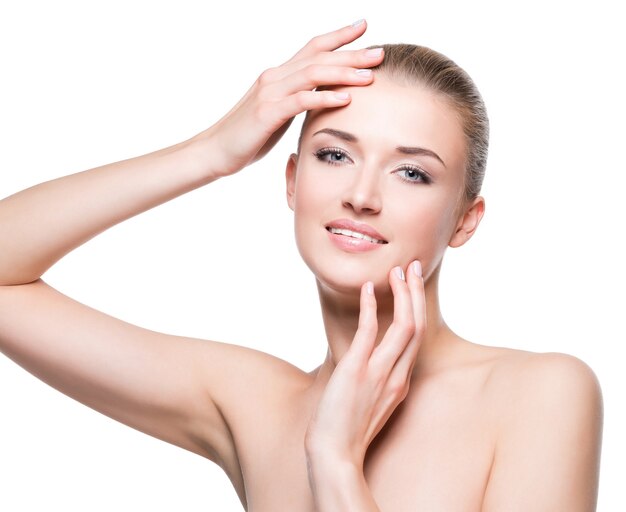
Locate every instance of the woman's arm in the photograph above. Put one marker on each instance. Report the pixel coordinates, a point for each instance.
(166, 386)
(41, 224)
(338, 486)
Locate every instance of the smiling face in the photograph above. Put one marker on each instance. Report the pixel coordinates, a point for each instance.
(390, 166)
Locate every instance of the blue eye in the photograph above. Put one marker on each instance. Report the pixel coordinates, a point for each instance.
(332, 156)
(337, 156)
(413, 175)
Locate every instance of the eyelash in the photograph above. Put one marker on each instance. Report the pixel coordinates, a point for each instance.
(321, 153)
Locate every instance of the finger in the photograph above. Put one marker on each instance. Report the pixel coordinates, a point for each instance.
(401, 373)
(402, 327)
(365, 336)
(332, 40)
(418, 296)
(318, 75)
(279, 112)
(363, 58)
(357, 59)
(404, 366)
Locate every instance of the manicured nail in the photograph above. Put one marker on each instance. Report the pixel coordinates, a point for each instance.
(342, 95)
(417, 268)
(358, 23)
(370, 288)
(399, 273)
(374, 52)
(364, 72)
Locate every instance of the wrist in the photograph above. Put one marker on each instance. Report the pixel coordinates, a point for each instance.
(331, 481)
(323, 452)
(327, 468)
(213, 153)
(323, 464)
(203, 157)
(339, 485)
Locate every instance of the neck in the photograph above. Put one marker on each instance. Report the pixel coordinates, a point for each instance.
(340, 314)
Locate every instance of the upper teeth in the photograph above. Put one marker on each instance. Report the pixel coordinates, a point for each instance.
(355, 234)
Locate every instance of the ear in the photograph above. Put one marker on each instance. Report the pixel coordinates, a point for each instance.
(290, 177)
(468, 222)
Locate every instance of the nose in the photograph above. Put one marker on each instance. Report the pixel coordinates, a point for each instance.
(363, 194)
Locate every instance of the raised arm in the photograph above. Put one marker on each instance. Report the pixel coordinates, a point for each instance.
(169, 387)
(40, 225)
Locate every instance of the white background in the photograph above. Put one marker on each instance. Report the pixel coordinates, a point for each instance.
(87, 83)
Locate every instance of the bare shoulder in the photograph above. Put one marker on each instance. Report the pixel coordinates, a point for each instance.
(535, 381)
(543, 376)
(557, 388)
(548, 432)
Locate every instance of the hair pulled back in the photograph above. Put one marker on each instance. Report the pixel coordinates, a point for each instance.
(424, 67)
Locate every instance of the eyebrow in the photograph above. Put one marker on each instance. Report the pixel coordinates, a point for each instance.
(406, 150)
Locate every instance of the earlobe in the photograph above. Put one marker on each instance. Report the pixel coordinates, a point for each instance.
(468, 223)
(290, 178)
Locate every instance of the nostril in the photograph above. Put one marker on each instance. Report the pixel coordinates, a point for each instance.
(364, 196)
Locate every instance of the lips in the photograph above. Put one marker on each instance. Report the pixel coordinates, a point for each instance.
(349, 228)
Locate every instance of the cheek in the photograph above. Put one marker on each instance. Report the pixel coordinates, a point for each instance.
(424, 227)
(319, 192)
(309, 196)
(311, 202)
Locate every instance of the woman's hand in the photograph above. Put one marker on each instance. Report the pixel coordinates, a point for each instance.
(252, 127)
(369, 381)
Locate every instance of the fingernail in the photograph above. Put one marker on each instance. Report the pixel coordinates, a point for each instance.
(370, 288)
(364, 72)
(358, 23)
(417, 268)
(374, 52)
(342, 95)
(399, 273)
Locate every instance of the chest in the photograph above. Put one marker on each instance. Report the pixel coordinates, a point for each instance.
(434, 454)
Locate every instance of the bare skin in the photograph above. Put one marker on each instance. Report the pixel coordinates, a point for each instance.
(403, 414)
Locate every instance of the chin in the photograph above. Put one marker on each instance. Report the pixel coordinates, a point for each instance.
(346, 276)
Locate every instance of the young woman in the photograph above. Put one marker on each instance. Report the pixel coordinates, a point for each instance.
(403, 414)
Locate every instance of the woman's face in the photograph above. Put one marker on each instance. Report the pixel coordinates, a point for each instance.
(391, 165)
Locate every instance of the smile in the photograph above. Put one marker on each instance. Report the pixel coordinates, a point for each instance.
(354, 234)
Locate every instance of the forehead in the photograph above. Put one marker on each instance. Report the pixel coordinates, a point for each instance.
(387, 114)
